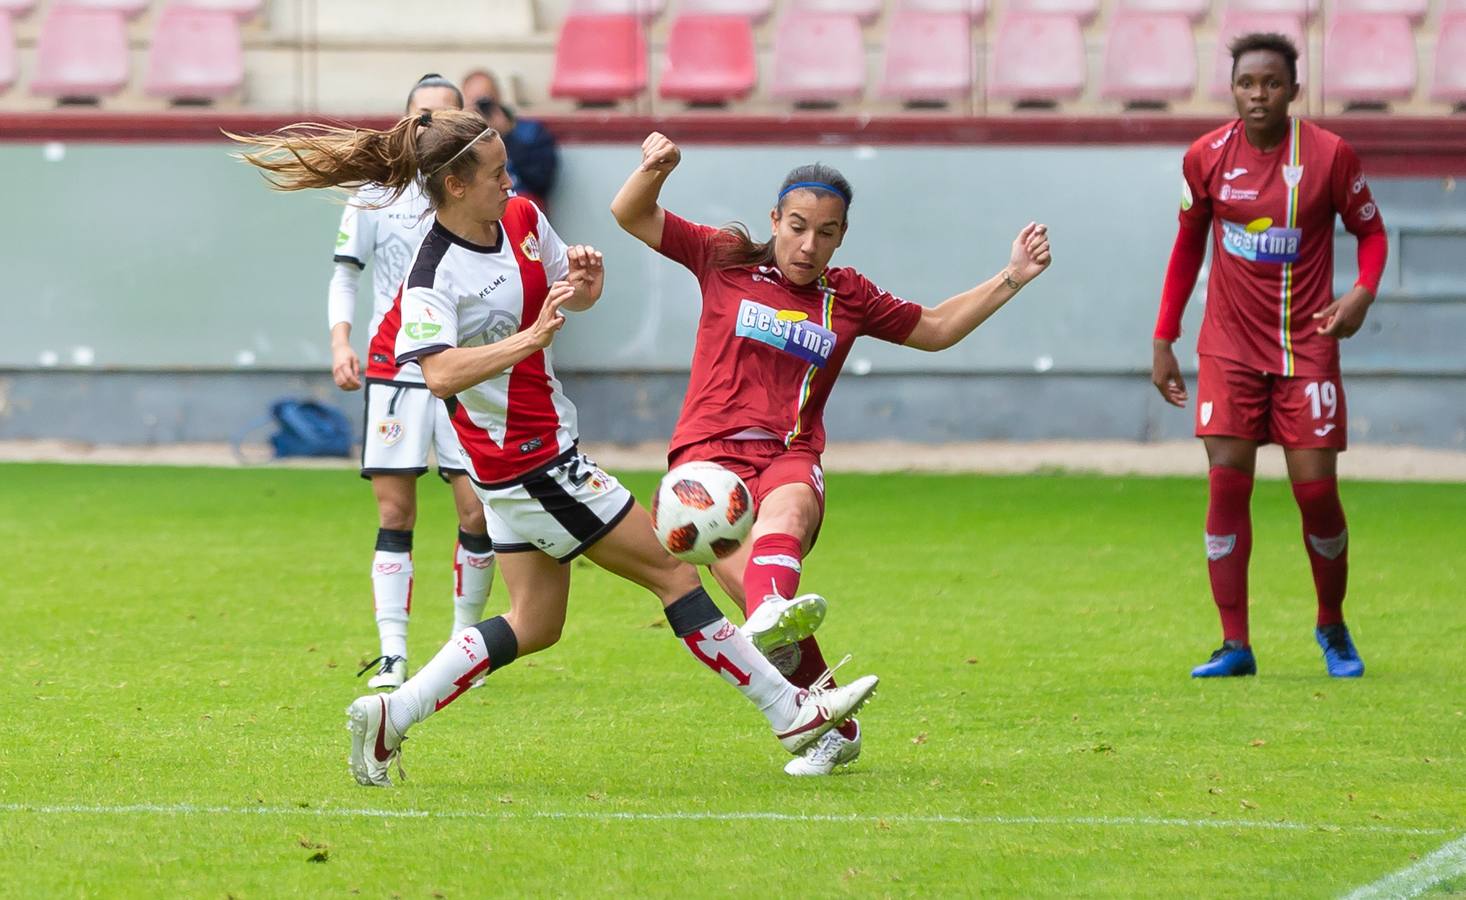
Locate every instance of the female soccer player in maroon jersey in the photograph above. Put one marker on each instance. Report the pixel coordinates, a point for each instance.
(777, 324)
(1267, 187)
(479, 310)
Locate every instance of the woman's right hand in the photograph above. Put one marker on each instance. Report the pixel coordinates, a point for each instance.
(659, 154)
(542, 332)
(345, 367)
(1165, 373)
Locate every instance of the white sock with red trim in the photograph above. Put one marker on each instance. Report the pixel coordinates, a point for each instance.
(473, 576)
(718, 644)
(392, 589)
(473, 653)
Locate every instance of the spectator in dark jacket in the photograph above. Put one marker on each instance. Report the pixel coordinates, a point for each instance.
(534, 158)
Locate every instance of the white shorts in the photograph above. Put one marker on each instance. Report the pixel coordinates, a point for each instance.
(562, 510)
(403, 420)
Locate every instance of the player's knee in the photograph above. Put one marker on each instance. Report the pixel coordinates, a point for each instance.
(396, 517)
(535, 633)
(471, 519)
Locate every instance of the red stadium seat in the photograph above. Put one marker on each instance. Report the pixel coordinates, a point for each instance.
(642, 9)
(1149, 59)
(867, 11)
(128, 8)
(1450, 59)
(928, 57)
(753, 10)
(1304, 9)
(81, 53)
(710, 59)
(1037, 58)
(1369, 59)
(1194, 10)
(1414, 10)
(196, 54)
(1083, 10)
(9, 65)
(241, 9)
(818, 58)
(16, 7)
(1236, 24)
(599, 59)
(974, 10)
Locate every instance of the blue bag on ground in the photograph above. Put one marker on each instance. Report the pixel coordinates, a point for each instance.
(308, 428)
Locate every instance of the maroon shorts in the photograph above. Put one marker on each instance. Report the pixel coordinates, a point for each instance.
(1301, 413)
(763, 465)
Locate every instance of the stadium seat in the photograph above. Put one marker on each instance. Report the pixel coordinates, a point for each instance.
(1149, 59)
(599, 59)
(818, 58)
(1369, 59)
(867, 11)
(642, 9)
(241, 9)
(1414, 10)
(974, 10)
(1083, 10)
(80, 54)
(196, 54)
(1304, 9)
(9, 64)
(16, 7)
(1194, 10)
(1236, 24)
(753, 10)
(128, 8)
(928, 57)
(1450, 60)
(1037, 58)
(710, 59)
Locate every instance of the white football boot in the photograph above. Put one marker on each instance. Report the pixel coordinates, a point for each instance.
(390, 675)
(779, 622)
(375, 744)
(828, 752)
(821, 709)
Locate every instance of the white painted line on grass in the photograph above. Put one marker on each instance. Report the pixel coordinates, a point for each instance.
(1414, 880)
(595, 816)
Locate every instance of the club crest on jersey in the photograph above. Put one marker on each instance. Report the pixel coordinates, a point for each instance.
(530, 246)
(786, 329)
(390, 431)
(1259, 241)
(1292, 175)
(425, 326)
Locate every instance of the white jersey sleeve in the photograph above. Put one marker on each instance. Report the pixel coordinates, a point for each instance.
(356, 239)
(429, 324)
(341, 294)
(552, 252)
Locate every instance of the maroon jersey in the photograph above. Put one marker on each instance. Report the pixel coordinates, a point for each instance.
(1272, 217)
(768, 351)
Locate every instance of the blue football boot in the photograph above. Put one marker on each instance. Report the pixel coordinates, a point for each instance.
(1338, 651)
(1229, 659)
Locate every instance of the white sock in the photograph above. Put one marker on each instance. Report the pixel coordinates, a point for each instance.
(392, 593)
(447, 674)
(723, 648)
(473, 575)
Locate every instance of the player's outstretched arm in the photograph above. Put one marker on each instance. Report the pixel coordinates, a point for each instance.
(587, 276)
(459, 368)
(635, 206)
(955, 318)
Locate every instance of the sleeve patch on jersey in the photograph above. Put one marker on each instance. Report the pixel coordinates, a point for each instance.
(425, 327)
(341, 239)
(1187, 201)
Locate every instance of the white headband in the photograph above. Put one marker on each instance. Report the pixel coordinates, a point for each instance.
(454, 158)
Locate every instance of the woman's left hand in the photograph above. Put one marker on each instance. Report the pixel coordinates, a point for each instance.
(1031, 253)
(587, 271)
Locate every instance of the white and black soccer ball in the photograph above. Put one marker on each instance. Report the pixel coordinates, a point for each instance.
(702, 512)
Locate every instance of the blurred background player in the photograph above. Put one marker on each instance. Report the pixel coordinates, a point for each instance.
(777, 324)
(403, 419)
(480, 308)
(534, 157)
(1267, 187)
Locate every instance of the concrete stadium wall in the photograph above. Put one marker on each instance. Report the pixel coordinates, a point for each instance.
(158, 292)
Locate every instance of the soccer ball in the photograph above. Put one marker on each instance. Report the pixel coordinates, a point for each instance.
(702, 512)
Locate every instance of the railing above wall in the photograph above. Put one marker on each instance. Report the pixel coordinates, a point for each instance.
(1389, 145)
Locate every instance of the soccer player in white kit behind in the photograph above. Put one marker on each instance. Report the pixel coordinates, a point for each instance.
(481, 305)
(403, 418)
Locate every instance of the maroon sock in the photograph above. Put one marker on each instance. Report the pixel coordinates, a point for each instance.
(1229, 546)
(1326, 537)
(811, 665)
(773, 568)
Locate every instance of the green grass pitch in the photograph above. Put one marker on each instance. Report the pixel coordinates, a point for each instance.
(181, 644)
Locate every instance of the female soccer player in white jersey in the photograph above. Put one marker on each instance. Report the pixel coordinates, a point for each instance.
(403, 419)
(481, 305)
(777, 324)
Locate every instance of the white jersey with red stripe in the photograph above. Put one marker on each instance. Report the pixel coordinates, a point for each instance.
(388, 238)
(462, 294)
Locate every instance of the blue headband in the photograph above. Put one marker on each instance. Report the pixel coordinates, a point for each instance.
(817, 185)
